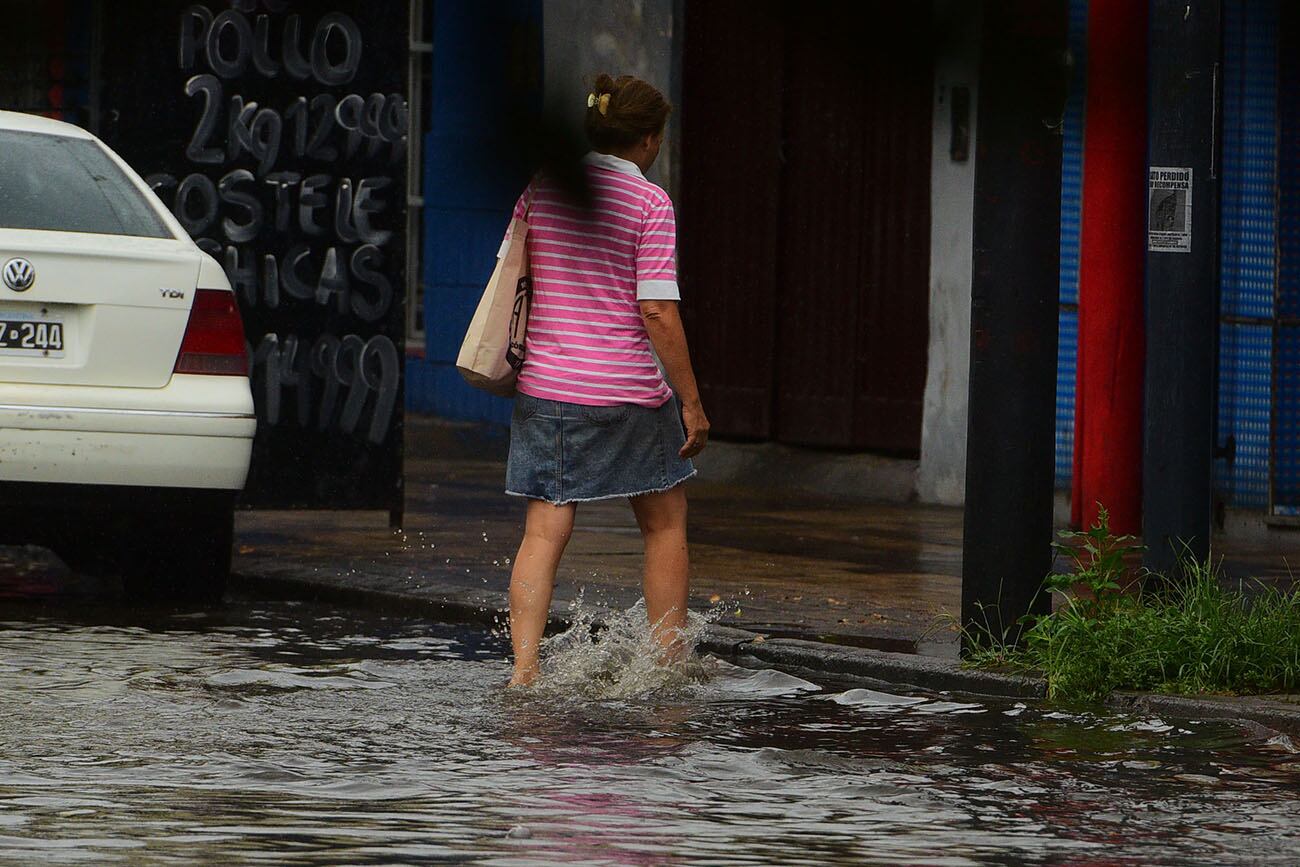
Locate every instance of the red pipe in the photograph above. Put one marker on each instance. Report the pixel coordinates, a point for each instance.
(1108, 402)
(56, 19)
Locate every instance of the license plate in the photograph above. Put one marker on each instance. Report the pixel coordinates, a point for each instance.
(39, 336)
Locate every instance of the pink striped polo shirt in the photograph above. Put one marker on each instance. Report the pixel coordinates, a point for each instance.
(586, 341)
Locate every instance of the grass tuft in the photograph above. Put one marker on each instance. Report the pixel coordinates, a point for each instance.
(1186, 633)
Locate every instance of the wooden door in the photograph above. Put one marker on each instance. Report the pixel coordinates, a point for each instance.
(806, 202)
(730, 205)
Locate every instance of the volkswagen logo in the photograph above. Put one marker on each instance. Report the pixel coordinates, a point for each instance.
(19, 275)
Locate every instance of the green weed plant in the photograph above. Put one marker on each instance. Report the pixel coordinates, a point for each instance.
(1186, 633)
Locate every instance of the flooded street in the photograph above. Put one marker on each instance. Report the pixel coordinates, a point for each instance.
(298, 734)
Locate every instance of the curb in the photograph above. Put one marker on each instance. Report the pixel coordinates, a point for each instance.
(1272, 714)
(925, 672)
(282, 586)
(813, 657)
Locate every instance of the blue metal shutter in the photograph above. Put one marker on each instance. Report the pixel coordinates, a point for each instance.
(1071, 211)
(1286, 371)
(1247, 243)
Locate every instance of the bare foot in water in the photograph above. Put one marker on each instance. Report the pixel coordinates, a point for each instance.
(523, 677)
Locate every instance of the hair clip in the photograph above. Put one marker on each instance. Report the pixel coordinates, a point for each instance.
(600, 103)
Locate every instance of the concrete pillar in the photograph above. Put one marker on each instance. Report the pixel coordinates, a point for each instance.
(582, 38)
(941, 477)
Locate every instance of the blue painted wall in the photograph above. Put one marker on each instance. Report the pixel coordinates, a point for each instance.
(487, 67)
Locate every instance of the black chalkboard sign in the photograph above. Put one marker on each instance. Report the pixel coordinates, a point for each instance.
(278, 132)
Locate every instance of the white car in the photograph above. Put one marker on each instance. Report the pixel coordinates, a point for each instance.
(126, 417)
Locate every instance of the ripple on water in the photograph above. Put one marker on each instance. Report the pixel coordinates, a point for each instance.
(871, 698)
(291, 678)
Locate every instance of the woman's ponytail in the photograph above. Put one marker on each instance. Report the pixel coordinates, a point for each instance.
(622, 111)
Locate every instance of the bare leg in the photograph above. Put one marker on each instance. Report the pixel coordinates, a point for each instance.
(662, 518)
(546, 531)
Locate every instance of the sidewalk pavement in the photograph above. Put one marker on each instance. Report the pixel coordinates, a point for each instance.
(883, 575)
(797, 573)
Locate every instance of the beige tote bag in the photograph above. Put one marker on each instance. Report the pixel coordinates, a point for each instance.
(493, 349)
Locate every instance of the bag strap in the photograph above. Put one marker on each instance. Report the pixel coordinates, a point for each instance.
(531, 193)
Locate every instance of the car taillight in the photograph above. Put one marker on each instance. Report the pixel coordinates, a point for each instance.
(214, 337)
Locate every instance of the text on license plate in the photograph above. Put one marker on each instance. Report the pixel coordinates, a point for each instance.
(32, 336)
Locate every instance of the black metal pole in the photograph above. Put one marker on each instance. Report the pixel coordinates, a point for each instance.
(1182, 280)
(1014, 303)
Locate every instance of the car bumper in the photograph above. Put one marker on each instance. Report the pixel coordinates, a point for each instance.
(73, 436)
(102, 458)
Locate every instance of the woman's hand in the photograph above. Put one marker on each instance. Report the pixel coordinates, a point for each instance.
(697, 429)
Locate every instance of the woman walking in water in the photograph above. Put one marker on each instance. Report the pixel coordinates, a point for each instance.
(594, 418)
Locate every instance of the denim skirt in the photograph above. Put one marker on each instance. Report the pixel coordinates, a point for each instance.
(570, 453)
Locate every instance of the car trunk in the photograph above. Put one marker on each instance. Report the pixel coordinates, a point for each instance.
(103, 310)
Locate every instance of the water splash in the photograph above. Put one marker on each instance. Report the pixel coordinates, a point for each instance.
(613, 655)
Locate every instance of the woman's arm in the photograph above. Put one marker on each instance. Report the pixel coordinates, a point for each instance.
(664, 324)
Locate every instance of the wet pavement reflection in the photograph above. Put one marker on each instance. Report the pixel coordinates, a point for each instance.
(278, 732)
